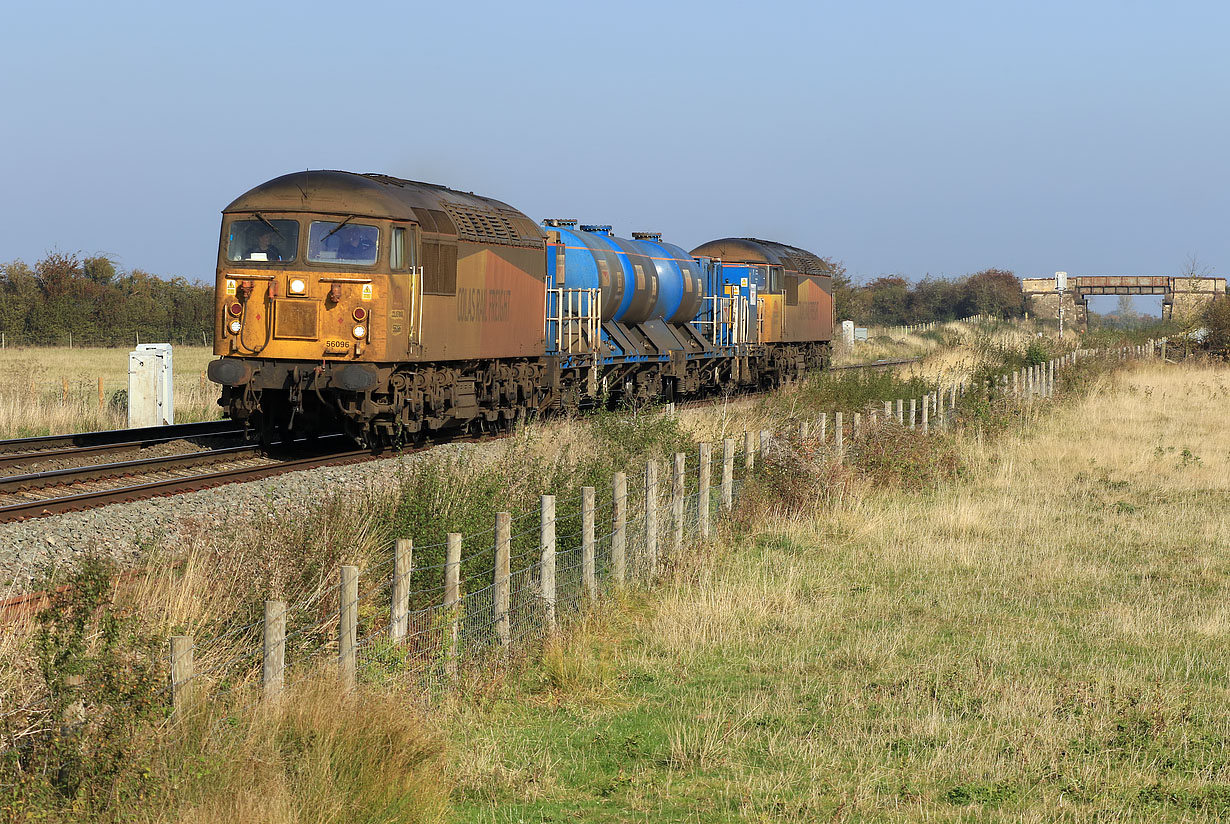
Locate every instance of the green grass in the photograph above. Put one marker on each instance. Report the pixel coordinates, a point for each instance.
(1043, 641)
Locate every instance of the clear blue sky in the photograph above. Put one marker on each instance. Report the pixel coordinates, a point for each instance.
(908, 138)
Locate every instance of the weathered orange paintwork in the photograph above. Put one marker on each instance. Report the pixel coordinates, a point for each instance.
(809, 321)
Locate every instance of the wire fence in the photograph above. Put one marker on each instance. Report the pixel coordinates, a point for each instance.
(423, 627)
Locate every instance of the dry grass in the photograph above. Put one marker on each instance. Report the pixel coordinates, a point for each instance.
(316, 755)
(1042, 641)
(54, 390)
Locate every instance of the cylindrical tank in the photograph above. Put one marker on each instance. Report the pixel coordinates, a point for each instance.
(642, 279)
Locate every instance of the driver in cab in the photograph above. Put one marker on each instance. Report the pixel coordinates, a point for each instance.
(263, 248)
(356, 244)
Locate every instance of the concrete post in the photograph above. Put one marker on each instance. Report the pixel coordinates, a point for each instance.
(804, 430)
(589, 575)
(501, 581)
(651, 517)
(702, 499)
(546, 568)
(858, 425)
(403, 555)
(273, 668)
(888, 411)
(619, 531)
(677, 481)
(452, 598)
(348, 624)
(900, 412)
(926, 402)
(765, 437)
(728, 473)
(181, 671)
(913, 410)
(824, 427)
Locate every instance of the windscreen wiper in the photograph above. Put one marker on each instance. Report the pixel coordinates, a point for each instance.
(265, 221)
(335, 228)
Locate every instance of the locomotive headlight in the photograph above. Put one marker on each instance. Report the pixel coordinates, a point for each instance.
(234, 326)
(297, 286)
(359, 331)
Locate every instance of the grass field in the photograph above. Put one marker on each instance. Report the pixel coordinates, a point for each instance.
(54, 390)
(1043, 641)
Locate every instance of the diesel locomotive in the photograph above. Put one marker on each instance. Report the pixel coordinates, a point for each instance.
(392, 309)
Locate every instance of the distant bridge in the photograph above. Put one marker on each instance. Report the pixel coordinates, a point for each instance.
(1182, 297)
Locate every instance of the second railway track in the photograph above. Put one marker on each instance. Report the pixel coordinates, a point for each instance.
(58, 474)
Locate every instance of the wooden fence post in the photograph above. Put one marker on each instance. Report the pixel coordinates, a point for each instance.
(273, 667)
(728, 473)
(651, 517)
(403, 565)
(348, 624)
(677, 481)
(546, 570)
(452, 598)
(926, 402)
(858, 425)
(702, 498)
(501, 580)
(181, 671)
(913, 411)
(900, 412)
(804, 430)
(765, 437)
(749, 451)
(619, 531)
(589, 576)
(888, 411)
(824, 426)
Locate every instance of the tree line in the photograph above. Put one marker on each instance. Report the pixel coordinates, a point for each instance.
(891, 300)
(64, 298)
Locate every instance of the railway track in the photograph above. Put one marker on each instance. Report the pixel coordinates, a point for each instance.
(58, 474)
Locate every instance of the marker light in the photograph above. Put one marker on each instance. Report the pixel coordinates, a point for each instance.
(297, 286)
(359, 331)
(235, 309)
(360, 313)
(235, 326)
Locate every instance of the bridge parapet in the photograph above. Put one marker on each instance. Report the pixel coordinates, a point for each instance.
(1182, 297)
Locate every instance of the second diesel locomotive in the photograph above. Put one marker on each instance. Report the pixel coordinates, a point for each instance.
(392, 308)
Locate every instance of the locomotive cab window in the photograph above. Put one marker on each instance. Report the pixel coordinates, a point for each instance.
(265, 241)
(775, 280)
(345, 242)
(403, 251)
